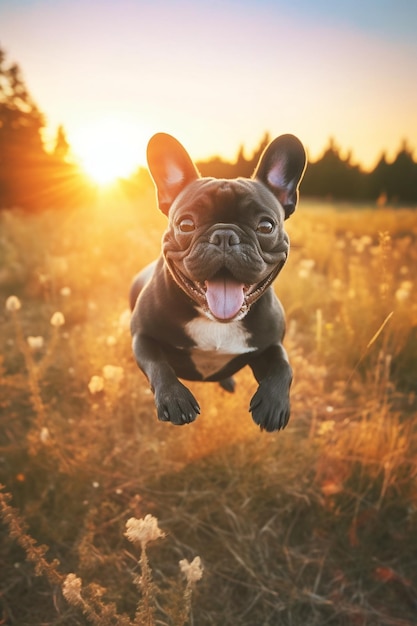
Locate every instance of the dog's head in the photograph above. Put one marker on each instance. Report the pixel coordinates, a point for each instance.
(225, 241)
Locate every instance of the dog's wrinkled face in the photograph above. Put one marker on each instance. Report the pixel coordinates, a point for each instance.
(225, 244)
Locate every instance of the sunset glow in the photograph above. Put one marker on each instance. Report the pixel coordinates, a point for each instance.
(108, 149)
(318, 70)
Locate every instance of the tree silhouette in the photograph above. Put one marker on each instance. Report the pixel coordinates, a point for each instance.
(62, 147)
(30, 177)
(336, 177)
(20, 140)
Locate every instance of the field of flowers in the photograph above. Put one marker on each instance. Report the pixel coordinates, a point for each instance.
(110, 517)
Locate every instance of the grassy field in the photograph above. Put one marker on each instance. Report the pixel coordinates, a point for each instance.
(316, 525)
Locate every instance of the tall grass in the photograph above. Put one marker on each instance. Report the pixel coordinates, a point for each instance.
(315, 525)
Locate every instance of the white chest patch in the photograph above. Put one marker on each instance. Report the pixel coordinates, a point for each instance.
(216, 343)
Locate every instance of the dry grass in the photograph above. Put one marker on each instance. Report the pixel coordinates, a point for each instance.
(316, 525)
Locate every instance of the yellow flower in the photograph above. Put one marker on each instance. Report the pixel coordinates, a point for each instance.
(13, 303)
(57, 319)
(143, 530)
(326, 427)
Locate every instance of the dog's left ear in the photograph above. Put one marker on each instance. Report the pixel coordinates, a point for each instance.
(281, 168)
(171, 168)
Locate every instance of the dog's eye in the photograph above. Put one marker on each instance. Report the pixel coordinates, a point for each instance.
(186, 225)
(266, 227)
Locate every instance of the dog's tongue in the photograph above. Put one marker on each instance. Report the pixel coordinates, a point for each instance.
(225, 297)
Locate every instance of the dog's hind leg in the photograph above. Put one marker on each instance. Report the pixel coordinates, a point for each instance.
(228, 384)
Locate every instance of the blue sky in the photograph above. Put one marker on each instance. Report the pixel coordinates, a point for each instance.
(220, 74)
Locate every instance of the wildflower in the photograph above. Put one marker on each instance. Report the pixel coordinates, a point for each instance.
(404, 291)
(306, 265)
(65, 292)
(13, 303)
(96, 384)
(35, 343)
(71, 589)
(44, 435)
(113, 373)
(143, 530)
(57, 319)
(192, 571)
(326, 427)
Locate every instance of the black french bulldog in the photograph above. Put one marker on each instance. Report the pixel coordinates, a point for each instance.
(206, 307)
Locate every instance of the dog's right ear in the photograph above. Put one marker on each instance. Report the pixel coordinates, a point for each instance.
(171, 168)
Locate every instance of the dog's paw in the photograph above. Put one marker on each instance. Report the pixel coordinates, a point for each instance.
(228, 384)
(270, 406)
(176, 404)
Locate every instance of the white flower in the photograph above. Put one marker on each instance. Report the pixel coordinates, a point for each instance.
(72, 589)
(13, 303)
(96, 384)
(35, 343)
(143, 530)
(44, 435)
(404, 291)
(192, 571)
(113, 372)
(57, 319)
(305, 267)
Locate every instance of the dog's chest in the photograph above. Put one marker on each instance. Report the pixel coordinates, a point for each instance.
(216, 344)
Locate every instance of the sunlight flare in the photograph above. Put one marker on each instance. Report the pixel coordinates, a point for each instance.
(109, 148)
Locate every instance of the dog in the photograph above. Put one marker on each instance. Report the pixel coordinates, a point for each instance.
(206, 308)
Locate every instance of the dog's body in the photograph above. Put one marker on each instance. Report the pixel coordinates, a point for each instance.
(206, 308)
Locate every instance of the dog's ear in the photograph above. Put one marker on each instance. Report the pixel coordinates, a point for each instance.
(171, 168)
(281, 168)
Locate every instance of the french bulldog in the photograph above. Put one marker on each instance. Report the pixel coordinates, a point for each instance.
(206, 308)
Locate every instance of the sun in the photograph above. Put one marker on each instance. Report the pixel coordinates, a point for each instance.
(108, 148)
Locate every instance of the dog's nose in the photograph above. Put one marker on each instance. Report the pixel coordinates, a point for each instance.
(224, 238)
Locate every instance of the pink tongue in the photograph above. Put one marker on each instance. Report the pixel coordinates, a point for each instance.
(225, 297)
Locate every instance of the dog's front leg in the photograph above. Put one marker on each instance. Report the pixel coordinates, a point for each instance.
(174, 402)
(270, 406)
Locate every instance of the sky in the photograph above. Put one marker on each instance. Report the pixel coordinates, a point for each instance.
(219, 74)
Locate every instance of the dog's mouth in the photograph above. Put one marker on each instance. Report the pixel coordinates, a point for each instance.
(222, 297)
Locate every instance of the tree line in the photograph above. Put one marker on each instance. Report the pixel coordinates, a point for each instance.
(336, 177)
(32, 177)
